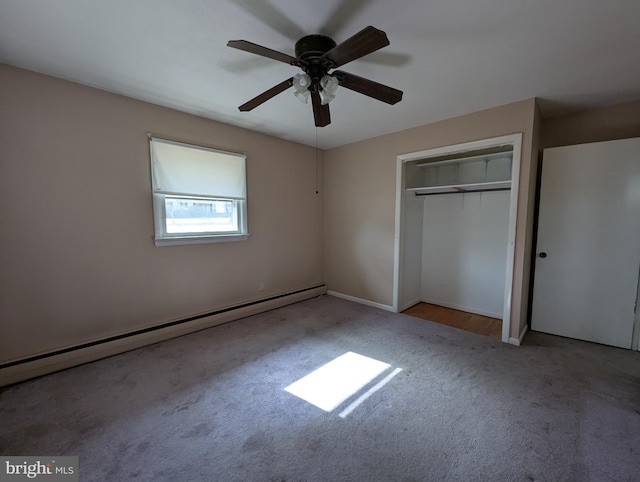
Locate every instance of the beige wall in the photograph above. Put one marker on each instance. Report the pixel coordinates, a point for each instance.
(620, 121)
(78, 261)
(360, 201)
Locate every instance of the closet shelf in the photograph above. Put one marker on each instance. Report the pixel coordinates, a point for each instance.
(464, 160)
(462, 188)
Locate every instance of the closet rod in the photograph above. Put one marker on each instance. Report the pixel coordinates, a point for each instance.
(462, 191)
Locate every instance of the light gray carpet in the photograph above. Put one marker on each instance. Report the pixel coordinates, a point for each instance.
(212, 406)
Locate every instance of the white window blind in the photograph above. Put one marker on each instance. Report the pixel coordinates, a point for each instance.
(197, 171)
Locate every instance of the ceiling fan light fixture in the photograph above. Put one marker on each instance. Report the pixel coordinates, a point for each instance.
(301, 84)
(329, 86)
(302, 96)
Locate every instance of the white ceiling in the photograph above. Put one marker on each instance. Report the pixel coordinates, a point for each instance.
(450, 57)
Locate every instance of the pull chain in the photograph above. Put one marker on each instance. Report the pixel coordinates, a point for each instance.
(317, 160)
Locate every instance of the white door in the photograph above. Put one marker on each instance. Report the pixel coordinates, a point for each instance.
(588, 252)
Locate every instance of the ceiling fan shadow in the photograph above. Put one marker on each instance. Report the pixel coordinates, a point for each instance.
(270, 15)
(390, 59)
(344, 13)
(273, 17)
(245, 66)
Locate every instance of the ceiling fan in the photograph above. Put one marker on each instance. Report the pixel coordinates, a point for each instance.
(316, 55)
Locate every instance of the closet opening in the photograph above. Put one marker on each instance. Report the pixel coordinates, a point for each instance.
(455, 232)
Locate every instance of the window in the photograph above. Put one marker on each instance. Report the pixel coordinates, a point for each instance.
(199, 194)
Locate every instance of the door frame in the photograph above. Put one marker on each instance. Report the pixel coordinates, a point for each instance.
(515, 141)
(635, 338)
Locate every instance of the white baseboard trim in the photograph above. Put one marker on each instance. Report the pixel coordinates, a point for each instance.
(72, 356)
(468, 309)
(518, 341)
(408, 304)
(361, 301)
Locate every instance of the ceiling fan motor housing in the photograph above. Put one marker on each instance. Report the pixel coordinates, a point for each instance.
(309, 49)
(312, 47)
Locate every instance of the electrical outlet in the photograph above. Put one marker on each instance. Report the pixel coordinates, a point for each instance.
(261, 286)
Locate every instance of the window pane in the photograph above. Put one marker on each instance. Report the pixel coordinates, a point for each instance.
(186, 215)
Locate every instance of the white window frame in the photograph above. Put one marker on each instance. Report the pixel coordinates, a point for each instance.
(164, 187)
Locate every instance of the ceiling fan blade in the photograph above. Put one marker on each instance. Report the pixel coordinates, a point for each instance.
(368, 40)
(368, 87)
(265, 96)
(263, 51)
(321, 113)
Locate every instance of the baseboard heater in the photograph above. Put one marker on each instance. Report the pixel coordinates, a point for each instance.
(41, 364)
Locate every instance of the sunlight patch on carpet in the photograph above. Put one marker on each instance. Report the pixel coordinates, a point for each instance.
(333, 383)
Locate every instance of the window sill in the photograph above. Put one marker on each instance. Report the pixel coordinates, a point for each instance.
(222, 238)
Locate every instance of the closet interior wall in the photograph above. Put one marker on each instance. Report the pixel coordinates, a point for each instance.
(464, 250)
